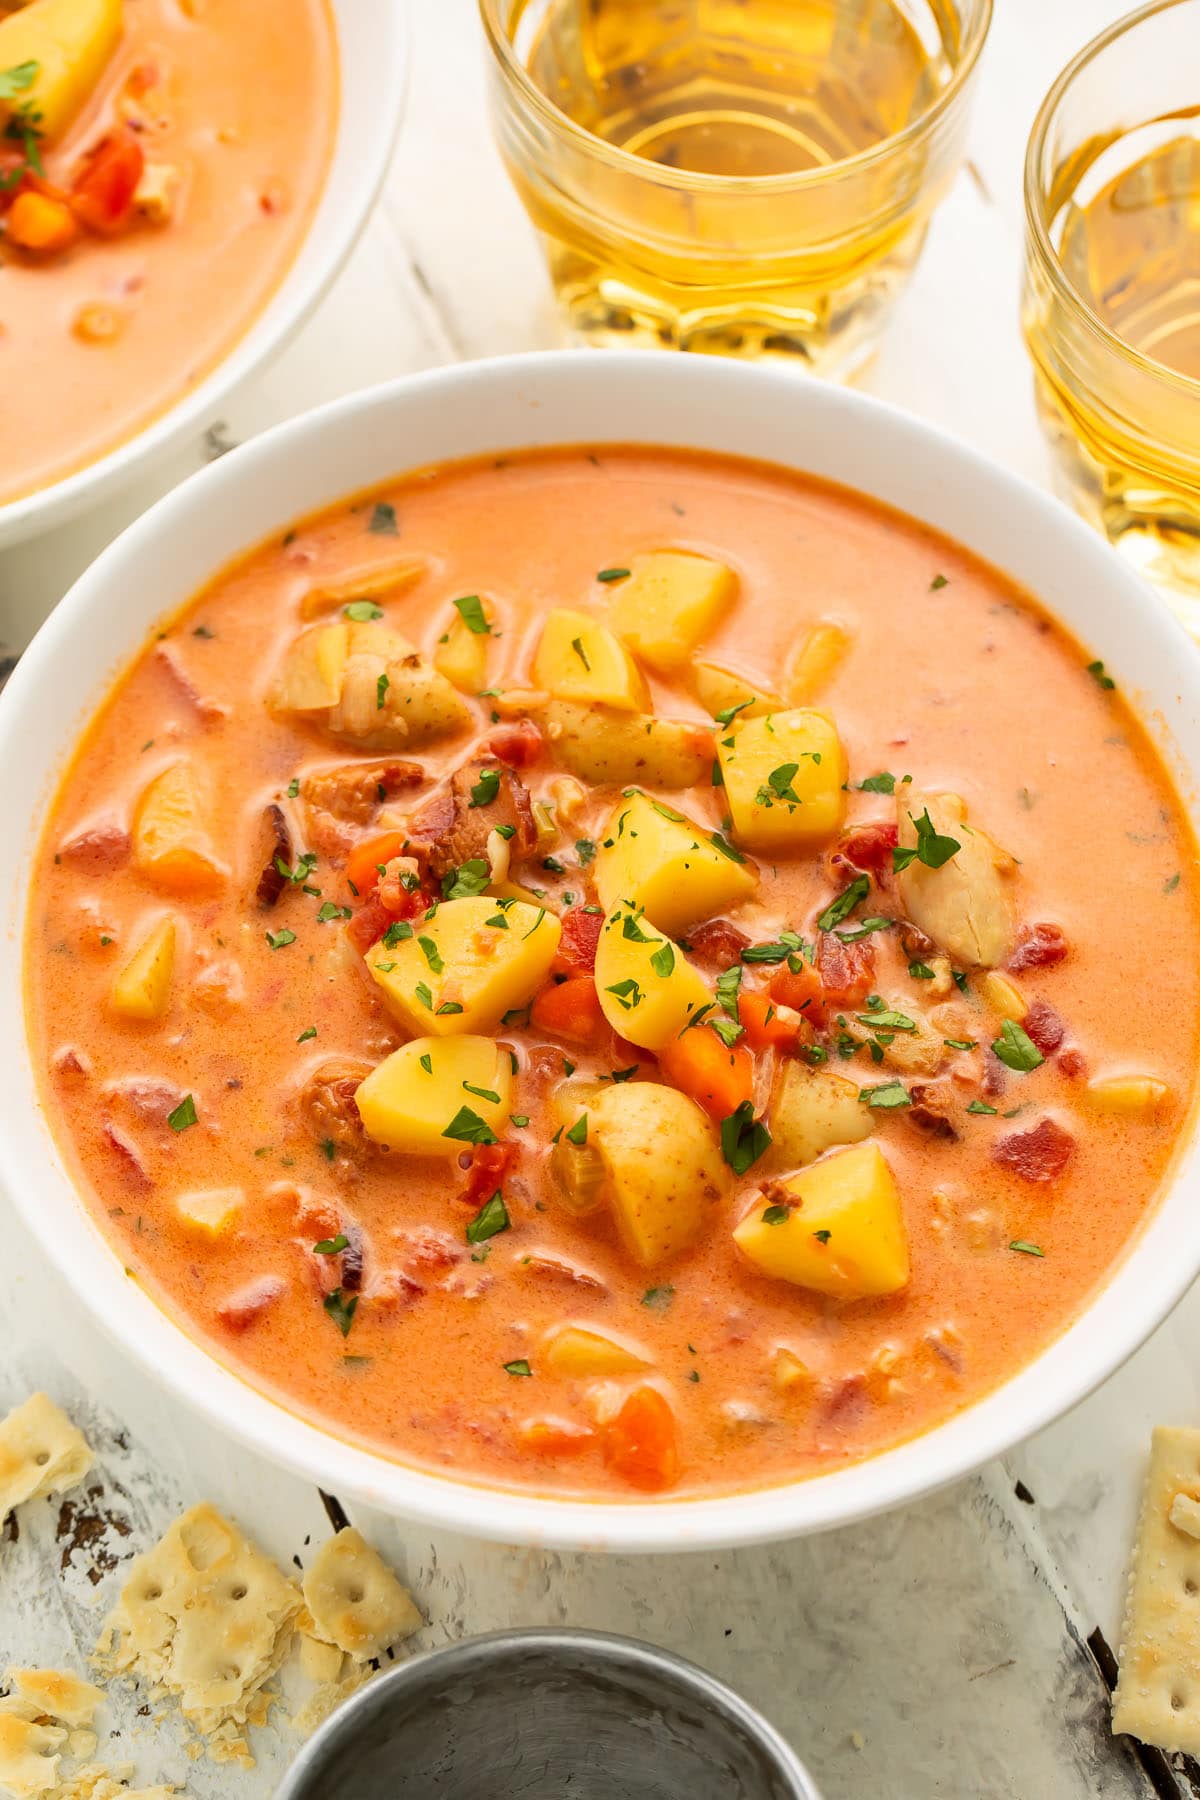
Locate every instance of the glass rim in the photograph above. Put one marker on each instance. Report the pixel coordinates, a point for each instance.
(697, 181)
(1035, 212)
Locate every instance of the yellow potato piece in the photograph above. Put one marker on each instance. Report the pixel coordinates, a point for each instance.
(653, 856)
(615, 748)
(71, 42)
(462, 970)
(816, 662)
(671, 601)
(663, 1166)
(720, 690)
(311, 677)
(812, 1110)
(573, 1350)
(649, 992)
(171, 842)
(1130, 1096)
(212, 1211)
(845, 1236)
(142, 990)
(578, 658)
(463, 657)
(783, 774)
(410, 1100)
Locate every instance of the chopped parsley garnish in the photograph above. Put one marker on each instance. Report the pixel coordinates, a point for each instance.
(822, 1237)
(920, 971)
(1026, 1248)
(470, 611)
(728, 714)
(776, 1215)
(728, 1030)
(423, 991)
(627, 993)
(426, 1062)
(486, 788)
(1171, 883)
(585, 850)
(431, 954)
(397, 931)
(845, 903)
(981, 1106)
(520, 1367)
(24, 124)
(363, 611)
(722, 844)
(729, 987)
(960, 1043)
(743, 1138)
(466, 1127)
(383, 520)
(311, 1032)
(939, 581)
(381, 688)
(631, 929)
(341, 1310)
(467, 881)
(658, 1297)
(581, 653)
(520, 1120)
(864, 929)
(932, 848)
(332, 1246)
(881, 1018)
(481, 1093)
(329, 910)
(303, 869)
(328, 1149)
(491, 1218)
(450, 1006)
(888, 1095)
(183, 1115)
(553, 866)
(1016, 1049)
(293, 787)
(662, 960)
(883, 783)
(578, 1131)
(787, 944)
(613, 575)
(1096, 671)
(624, 1074)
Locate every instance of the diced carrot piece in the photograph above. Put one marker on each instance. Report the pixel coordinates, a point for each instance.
(554, 1437)
(366, 859)
(715, 1075)
(40, 225)
(765, 1028)
(639, 1441)
(569, 1009)
(800, 988)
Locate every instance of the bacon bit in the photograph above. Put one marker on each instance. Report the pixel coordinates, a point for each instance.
(915, 945)
(1038, 947)
(559, 1269)
(248, 1304)
(932, 1102)
(353, 792)
(553, 1436)
(369, 923)
(343, 1268)
(995, 1075)
(102, 846)
(271, 883)
(487, 1167)
(70, 1062)
(454, 830)
(398, 895)
(1037, 1155)
(1072, 1062)
(718, 942)
(847, 971)
(866, 847)
(127, 1153)
(207, 710)
(1043, 1025)
(518, 745)
(326, 1104)
(576, 953)
(845, 1405)
(427, 1248)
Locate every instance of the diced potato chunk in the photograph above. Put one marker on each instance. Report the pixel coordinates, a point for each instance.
(171, 842)
(790, 1372)
(816, 662)
(410, 1099)
(671, 601)
(310, 680)
(142, 990)
(614, 749)
(463, 657)
(575, 1351)
(462, 970)
(1130, 1096)
(844, 1234)
(71, 42)
(784, 775)
(212, 1211)
(963, 905)
(812, 1111)
(367, 684)
(719, 690)
(649, 992)
(578, 658)
(655, 858)
(663, 1166)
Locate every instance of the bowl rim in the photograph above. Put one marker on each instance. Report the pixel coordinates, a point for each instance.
(1148, 1281)
(463, 1658)
(289, 305)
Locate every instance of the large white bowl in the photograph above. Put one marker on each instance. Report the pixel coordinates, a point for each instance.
(373, 57)
(565, 397)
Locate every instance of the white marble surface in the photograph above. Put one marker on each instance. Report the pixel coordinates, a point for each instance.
(936, 1653)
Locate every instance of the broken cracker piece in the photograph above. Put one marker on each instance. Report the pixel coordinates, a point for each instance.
(29, 1756)
(207, 1617)
(325, 1702)
(53, 1693)
(41, 1453)
(319, 1660)
(355, 1600)
(1157, 1697)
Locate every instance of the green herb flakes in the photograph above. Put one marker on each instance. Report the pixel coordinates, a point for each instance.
(491, 1218)
(743, 1138)
(466, 1127)
(183, 1115)
(1016, 1049)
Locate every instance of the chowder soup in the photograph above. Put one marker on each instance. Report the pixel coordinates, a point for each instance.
(616, 972)
(160, 163)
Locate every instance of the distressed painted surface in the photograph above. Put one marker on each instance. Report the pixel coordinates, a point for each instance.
(936, 1653)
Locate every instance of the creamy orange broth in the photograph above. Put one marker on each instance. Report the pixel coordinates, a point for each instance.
(241, 100)
(962, 683)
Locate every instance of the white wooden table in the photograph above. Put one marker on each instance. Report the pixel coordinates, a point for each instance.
(938, 1653)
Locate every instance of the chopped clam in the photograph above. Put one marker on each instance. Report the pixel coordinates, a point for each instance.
(963, 905)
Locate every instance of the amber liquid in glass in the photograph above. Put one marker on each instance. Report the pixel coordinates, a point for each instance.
(1128, 237)
(735, 89)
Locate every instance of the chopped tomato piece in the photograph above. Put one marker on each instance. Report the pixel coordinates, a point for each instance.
(1044, 1027)
(368, 924)
(717, 941)
(576, 953)
(715, 1075)
(569, 1009)
(103, 190)
(1037, 1155)
(1039, 947)
(867, 847)
(486, 1170)
(367, 859)
(765, 1028)
(554, 1437)
(801, 989)
(1072, 1062)
(639, 1441)
(847, 971)
(517, 745)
